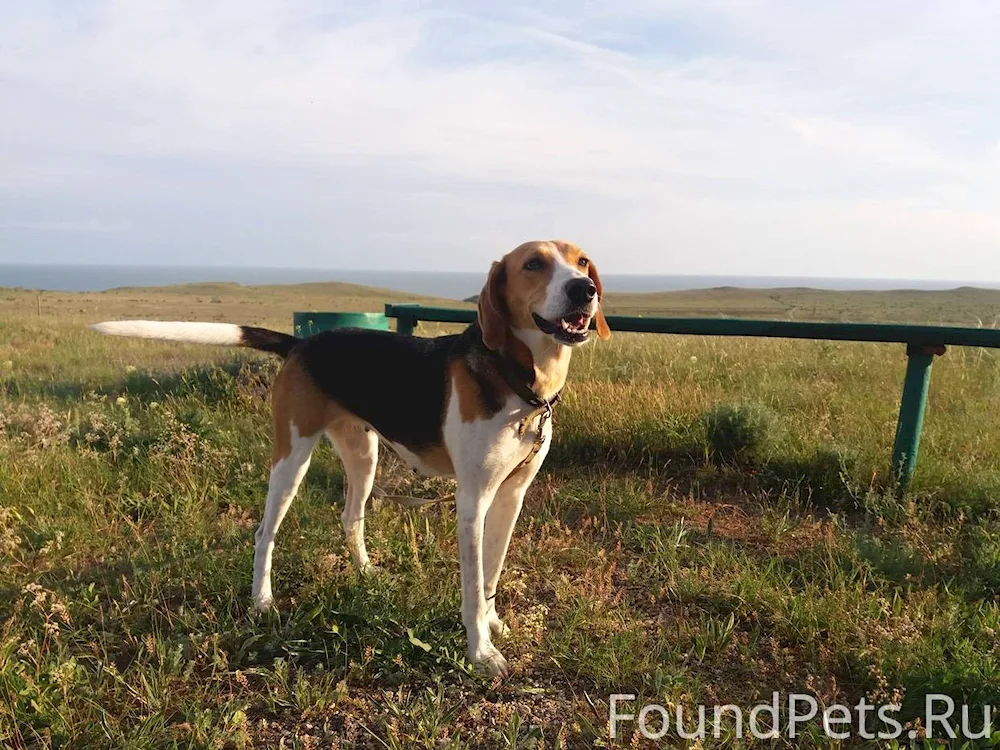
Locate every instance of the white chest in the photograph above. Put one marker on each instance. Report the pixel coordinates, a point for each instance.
(496, 446)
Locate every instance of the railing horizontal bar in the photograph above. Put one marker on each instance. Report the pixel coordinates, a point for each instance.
(439, 314)
(877, 332)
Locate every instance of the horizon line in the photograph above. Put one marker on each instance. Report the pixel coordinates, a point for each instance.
(959, 282)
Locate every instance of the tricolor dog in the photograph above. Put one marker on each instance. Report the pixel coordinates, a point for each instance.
(475, 405)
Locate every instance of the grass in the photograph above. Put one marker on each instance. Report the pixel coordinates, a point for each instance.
(132, 475)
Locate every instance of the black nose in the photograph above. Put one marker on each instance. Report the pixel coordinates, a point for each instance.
(580, 291)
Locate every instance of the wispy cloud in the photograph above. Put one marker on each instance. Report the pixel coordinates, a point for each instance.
(734, 136)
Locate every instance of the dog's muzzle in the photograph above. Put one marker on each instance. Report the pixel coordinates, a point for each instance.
(569, 329)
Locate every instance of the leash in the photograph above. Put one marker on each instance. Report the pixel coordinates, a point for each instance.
(544, 414)
(408, 501)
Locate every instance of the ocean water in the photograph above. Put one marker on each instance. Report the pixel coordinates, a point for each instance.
(446, 284)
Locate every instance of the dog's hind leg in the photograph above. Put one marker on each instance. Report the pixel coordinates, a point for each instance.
(357, 446)
(299, 413)
(286, 476)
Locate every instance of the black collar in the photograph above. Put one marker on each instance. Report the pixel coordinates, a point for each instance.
(520, 380)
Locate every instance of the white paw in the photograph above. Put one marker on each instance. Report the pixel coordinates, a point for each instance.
(490, 661)
(263, 602)
(498, 628)
(369, 569)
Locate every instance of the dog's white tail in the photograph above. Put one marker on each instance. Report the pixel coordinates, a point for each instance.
(220, 334)
(223, 334)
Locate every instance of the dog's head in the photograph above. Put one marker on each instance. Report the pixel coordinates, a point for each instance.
(550, 286)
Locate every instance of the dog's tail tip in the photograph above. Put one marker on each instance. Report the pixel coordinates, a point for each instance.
(219, 334)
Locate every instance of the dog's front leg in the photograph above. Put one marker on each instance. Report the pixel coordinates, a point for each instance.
(500, 521)
(472, 504)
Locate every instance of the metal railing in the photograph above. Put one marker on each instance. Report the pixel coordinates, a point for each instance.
(923, 343)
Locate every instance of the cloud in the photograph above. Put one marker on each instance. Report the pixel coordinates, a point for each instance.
(729, 136)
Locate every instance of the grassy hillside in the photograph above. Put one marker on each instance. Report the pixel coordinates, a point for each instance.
(714, 523)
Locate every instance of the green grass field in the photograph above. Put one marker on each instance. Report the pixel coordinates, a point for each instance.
(714, 523)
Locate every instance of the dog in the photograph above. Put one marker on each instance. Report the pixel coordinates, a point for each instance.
(474, 405)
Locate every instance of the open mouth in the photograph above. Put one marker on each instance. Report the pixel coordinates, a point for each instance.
(570, 329)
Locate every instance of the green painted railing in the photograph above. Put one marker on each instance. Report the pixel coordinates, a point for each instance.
(305, 324)
(923, 343)
(407, 317)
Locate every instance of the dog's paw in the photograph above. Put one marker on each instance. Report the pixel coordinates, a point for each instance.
(498, 628)
(369, 569)
(263, 602)
(491, 662)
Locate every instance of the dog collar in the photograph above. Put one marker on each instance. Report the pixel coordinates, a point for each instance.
(514, 376)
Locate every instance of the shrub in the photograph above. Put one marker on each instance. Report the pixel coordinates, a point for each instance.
(739, 432)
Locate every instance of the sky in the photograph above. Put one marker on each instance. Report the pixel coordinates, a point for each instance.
(846, 138)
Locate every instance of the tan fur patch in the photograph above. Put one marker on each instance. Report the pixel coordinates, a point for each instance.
(296, 400)
(526, 289)
(550, 379)
(570, 252)
(438, 459)
(470, 406)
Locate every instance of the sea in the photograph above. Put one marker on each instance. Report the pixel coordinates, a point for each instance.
(443, 284)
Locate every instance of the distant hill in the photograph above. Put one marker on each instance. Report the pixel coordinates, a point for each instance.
(274, 304)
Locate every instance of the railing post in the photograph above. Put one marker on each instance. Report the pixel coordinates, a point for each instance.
(911, 411)
(405, 325)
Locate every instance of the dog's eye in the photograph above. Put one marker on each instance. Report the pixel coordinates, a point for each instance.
(535, 264)
(583, 262)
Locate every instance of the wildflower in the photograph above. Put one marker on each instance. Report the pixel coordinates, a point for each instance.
(52, 545)
(10, 540)
(121, 401)
(63, 674)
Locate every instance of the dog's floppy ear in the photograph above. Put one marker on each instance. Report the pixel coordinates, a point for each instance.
(603, 332)
(493, 316)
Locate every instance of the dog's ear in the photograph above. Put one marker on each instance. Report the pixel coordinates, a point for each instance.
(493, 315)
(603, 332)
